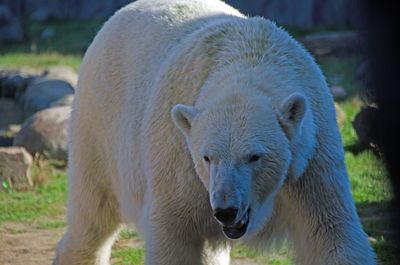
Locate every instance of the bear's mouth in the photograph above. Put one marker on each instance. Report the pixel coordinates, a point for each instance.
(238, 229)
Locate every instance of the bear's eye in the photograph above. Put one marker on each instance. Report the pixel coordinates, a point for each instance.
(254, 158)
(206, 158)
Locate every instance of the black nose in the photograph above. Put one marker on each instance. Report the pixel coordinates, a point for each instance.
(226, 216)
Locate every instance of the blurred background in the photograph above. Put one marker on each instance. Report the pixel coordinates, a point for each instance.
(41, 47)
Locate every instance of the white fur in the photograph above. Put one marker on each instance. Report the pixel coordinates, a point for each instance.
(238, 79)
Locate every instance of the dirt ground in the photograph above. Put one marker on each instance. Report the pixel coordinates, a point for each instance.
(26, 244)
(22, 244)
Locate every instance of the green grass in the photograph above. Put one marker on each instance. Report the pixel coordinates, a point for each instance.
(367, 176)
(387, 251)
(279, 257)
(39, 60)
(366, 171)
(342, 72)
(349, 136)
(128, 234)
(48, 200)
(128, 256)
(70, 37)
(51, 224)
(66, 47)
(370, 187)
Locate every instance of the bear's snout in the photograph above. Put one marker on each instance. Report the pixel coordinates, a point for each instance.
(226, 216)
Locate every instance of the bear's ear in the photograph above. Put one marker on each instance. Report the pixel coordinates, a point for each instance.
(183, 115)
(291, 113)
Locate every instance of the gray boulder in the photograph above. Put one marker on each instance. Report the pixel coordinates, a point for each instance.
(63, 73)
(46, 133)
(64, 101)
(15, 165)
(10, 113)
(43, 93)
(14, 85)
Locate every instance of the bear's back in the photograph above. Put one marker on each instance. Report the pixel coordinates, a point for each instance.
(135, 42)
(127, 54)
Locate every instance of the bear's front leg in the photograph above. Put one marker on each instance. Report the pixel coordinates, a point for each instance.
(176, 237)
(168, 248)
(172, 239)
(322, 220)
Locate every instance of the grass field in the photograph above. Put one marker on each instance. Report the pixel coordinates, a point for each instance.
(66, 47)
(44, 207)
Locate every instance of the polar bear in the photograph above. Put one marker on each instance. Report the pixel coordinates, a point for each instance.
(203, 127)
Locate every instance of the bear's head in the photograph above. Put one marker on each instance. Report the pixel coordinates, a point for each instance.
(241, 148)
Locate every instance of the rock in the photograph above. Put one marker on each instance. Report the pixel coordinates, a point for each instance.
(10, 113)
(338, 92)
(13, 86)
(13, 129)
(63, 73)
(364, 124)
(17, 81)
(15, 165)
(64, 101)
(13, 83)
(43, 93)
(47, 33)
(25, 72)
(4, 72)
(12, 31)
(5, 15)
(46, 133)
(40, 15)
(340, 116)
(331, 43)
